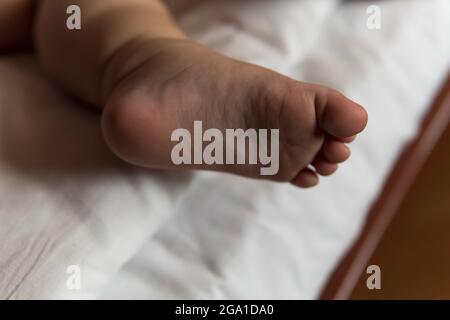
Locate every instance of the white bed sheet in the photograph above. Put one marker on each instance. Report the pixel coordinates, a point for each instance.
(147, 234)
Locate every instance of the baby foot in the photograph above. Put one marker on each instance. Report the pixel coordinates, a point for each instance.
(155, 87)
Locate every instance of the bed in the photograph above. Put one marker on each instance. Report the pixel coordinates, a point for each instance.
(66, 201)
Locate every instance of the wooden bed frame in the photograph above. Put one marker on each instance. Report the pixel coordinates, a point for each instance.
(346, 275)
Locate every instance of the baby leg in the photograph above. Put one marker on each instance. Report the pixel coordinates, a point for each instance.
(79, 59)
(131, 60)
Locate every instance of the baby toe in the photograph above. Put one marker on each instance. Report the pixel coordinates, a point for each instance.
(335, 151)
(324, 167)
(338, 115)
(348, 139)
(306, 178)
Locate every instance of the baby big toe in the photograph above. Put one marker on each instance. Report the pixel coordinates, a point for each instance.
(339, 116)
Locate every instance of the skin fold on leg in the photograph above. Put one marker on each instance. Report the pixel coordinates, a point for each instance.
(78, 59)
(16, 21)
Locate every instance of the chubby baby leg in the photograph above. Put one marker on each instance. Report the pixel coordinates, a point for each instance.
(131, 61)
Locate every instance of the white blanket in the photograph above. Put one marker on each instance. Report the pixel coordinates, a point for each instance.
(66, 200)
